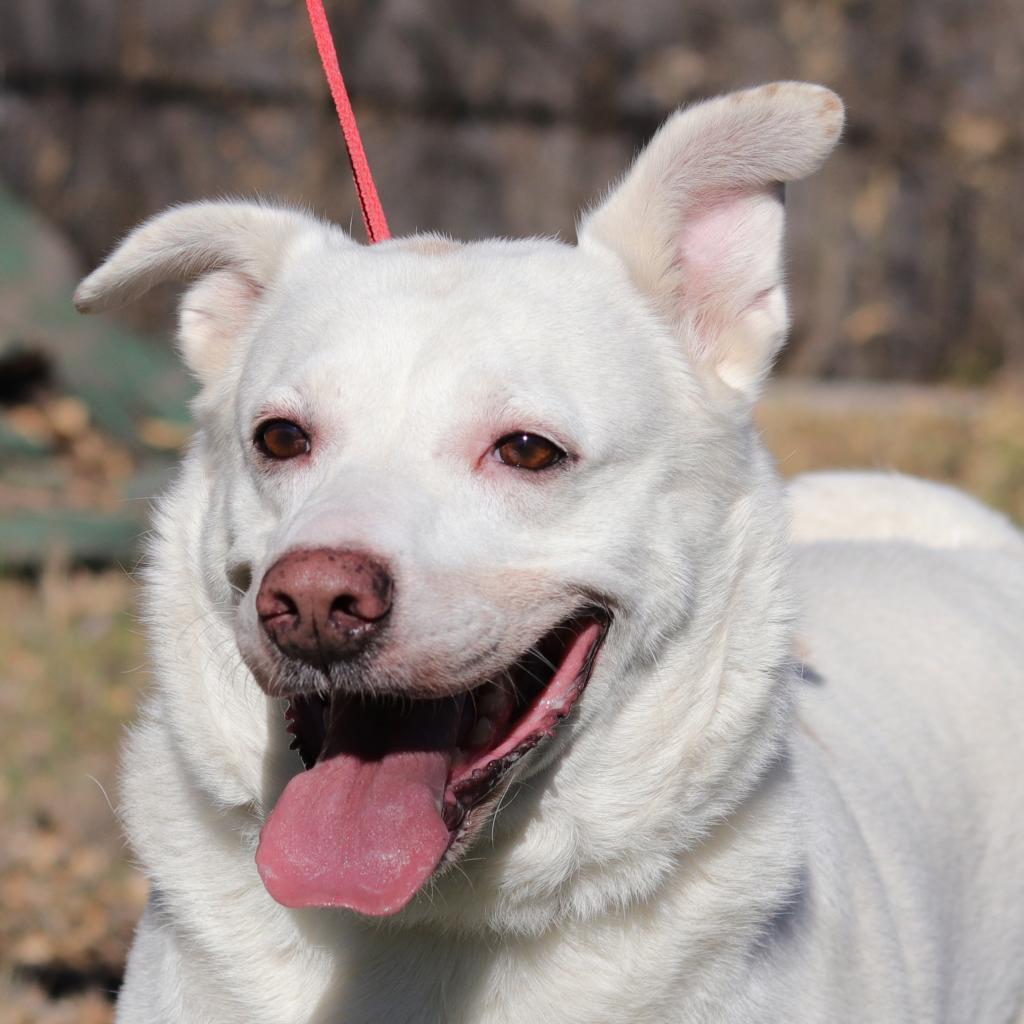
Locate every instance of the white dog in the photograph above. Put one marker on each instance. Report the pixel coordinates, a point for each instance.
(486, 532)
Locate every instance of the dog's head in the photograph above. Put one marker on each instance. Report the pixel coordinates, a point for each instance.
(445, 496)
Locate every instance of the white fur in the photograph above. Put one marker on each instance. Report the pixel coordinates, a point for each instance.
(735, 825)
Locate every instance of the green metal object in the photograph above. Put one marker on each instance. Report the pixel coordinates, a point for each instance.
(27, 539)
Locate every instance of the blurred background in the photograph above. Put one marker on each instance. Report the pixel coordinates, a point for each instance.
(908, 294)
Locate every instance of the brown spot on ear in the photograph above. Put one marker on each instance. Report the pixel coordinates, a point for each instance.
(830, 107)
(771, 90)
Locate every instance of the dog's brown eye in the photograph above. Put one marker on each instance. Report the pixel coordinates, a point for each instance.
(281, 439)
(528, 451)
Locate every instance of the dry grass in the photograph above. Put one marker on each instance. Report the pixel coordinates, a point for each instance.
(972, 439)
(71, 670)
(70, 674)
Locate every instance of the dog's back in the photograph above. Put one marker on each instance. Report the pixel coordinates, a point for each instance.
(910, 723)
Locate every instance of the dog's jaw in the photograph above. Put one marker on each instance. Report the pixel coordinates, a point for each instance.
(396, 790)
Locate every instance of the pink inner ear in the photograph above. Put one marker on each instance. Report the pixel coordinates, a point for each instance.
(215, 310)
(225, 296)
(727, 258)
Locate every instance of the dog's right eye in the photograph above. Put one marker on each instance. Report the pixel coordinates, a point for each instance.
(528, 451)
(281, 439)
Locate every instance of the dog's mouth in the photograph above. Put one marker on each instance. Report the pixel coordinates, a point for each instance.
(394, 784)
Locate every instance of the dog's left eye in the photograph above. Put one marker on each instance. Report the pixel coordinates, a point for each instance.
(528, 451)
(281, 439)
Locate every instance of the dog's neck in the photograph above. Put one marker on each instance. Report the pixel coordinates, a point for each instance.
(705, 886)
(705, 920)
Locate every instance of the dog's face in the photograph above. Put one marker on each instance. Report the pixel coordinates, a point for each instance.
(455, 494)
(463, 442)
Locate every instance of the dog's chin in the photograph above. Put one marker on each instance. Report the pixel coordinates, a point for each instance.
(396, 787)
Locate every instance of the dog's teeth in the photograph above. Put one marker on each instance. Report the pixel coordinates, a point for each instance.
(481, 732)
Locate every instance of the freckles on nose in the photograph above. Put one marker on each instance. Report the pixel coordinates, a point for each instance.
(325, 604)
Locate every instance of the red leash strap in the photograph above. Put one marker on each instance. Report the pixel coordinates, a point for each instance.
(373, 212)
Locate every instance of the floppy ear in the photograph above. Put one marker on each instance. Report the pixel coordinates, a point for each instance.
(234, 248)
(698, 220)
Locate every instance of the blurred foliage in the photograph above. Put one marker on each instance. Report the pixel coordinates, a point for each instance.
(506, 119)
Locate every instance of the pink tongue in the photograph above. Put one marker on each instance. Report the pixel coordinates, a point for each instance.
(363, 827)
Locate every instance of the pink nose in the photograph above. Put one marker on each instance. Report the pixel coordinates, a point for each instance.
(324, 605)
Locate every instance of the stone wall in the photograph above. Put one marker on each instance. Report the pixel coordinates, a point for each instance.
(507, 118)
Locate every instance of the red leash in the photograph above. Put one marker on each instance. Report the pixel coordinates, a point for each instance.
(373, 212)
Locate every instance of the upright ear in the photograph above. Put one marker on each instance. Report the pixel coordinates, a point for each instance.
(233, 248)
(698, 220)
